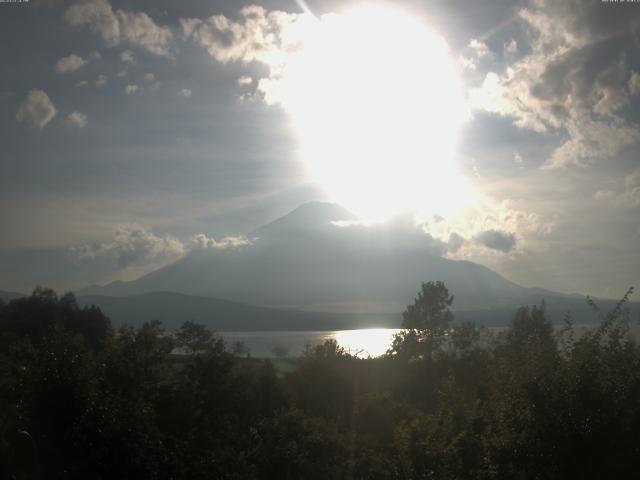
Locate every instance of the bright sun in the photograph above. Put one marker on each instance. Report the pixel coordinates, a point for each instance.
(377, 105)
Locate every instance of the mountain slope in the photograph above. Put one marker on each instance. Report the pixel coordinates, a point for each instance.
(306, 261)
(222, 315)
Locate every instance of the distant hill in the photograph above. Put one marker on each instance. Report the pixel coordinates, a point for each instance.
(8, 296)
(174, 308)
(317, 259)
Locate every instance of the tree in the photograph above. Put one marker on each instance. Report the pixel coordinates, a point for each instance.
(426, 322)
(195, 338)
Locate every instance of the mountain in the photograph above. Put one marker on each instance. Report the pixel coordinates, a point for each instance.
(8, 296)
(222, 315)
(319, 258)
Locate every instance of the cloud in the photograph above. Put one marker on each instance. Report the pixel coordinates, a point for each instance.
(511, 47)
(496, 240)
(245, 80)
(128, 57)
(69, 64)
(201, 241)
(478, 50)
(258, 35)
(77, 119)
(455, 242)
(134, 245)
(120, 26)
(574, 80)
(132, 89)
(185, 92)
(627, 195)
(36, 110)
(634, 84)
(101, 81)
(98, 16)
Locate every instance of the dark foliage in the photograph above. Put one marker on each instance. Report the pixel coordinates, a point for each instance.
(449, 401)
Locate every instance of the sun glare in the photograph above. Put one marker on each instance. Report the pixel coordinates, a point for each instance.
(376, 103)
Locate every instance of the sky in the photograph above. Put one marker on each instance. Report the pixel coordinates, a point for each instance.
(135, 132)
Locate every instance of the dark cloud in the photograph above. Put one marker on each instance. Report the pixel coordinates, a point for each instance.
(455, 243)
(496, 240)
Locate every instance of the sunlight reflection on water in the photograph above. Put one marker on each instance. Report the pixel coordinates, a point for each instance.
(371, 342)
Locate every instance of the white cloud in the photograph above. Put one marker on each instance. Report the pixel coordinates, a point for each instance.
(245, 80)
(77, 119)
(572, 82)
(185, 92)
(132, 89)
(37, 109)
(477, 51)
(226, 243)
(136, 29)
(70, 63)
(479, 48)
(140, 30)
(128, 57)
(101, 81)
(467, 63)
(258, 35)
(134, 245)
(74, 62)
(591, 140)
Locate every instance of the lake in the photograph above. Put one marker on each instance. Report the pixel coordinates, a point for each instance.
(367, 342)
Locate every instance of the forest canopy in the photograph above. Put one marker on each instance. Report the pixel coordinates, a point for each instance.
(80, 399)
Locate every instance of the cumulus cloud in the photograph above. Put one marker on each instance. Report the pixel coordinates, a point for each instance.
(70, 63)
(132, 89)
(245, 80)
(574, 80)
(477, 51)
(135, 245)
(185, 92)
(132, 244)
(258, 35)
(496, 240)
(202, 241)
(77, 119)
(479, 48)
(128, 57)
(36, 110)
(120, 26)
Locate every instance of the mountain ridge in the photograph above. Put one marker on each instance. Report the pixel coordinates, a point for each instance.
(306, 261)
